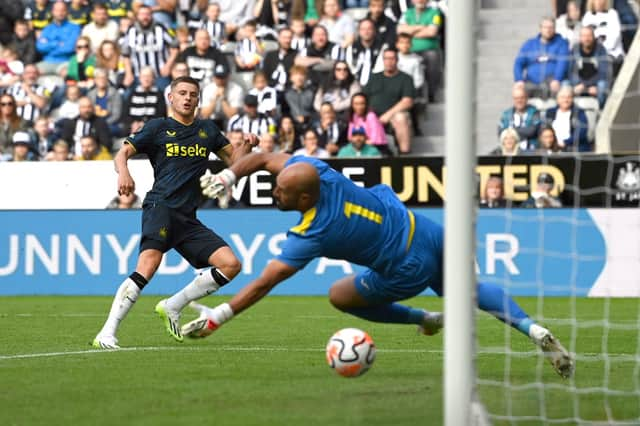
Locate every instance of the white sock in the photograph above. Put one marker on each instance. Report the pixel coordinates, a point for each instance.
(201, 286)
(124, 299)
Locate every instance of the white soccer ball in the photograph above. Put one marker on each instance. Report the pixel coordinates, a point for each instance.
(351, 352)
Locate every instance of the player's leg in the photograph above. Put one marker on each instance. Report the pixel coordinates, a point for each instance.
(201, 247)
(126, 297)
(492, 299)
(363, 296)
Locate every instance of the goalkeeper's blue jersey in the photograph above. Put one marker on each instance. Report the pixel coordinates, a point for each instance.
(369, 227)
(179, 155)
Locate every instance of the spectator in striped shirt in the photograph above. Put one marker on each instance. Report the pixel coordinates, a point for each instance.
(249, 49)
(148, 43)
(86, 123)
(363, 56)
(252, 121)
(214, 26)
(31, 97)
(299, 39)
(267, 95)
(320, 55)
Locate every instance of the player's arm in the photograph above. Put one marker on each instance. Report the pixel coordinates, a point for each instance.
(275, 272)
(230, 154)
(126, 184)
(219, 185)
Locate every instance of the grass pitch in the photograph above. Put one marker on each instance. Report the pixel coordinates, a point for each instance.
(267, 367)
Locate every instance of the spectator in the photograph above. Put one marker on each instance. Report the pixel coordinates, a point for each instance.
(509, 143)
(299, 96)
(358, 146)
(234, 13)
(57, 41)
(91, 151)
(10, 67)
(568, 25)
(320, 55)
(523, 118)
(145, 102)
(363, 56)
(10, 123)
(310, 147)
(108, 57)
(542, 62)
(249, 50)
(277, 62)
(423, 24)
(148, 43)
(129, 201)
(100, 28)
(70, 107)
(37, 14)
(385, 26)
(250, 120)
(338, 90)
(87, 123)
(117, 9)
(411, 64)
(43, 137)
(265, 13)
(222, 98)
(214, 26)
(108, 102)
(59, 151)
(340, 26)
(267, 143)
(589, 69)
(288, 135)
(569, 122)
(493, 196)
(30, 96)
(22, 147)
(79, 12)
(24, 43)
(606, 23)
(541, 196)
(267, 96)
(548, 141)
(299, 39)
(12, 11)
(391, 94)
(361, 116)
(201, 58)
(82, 65)
(331, 132)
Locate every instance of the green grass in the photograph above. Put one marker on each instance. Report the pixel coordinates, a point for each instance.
(267, 367)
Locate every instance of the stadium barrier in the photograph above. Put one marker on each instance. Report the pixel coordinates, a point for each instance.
(530, 252)
(586, 181)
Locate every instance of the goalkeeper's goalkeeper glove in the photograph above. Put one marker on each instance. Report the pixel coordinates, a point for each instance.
(218, 186)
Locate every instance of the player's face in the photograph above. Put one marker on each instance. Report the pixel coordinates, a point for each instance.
(184, 99)
(285, 195)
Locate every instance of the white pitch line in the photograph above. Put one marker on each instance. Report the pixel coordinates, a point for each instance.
(590, 357)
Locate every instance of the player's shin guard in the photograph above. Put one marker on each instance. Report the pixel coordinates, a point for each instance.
(124, 299)
(492, 299)
(203, 284)
(390, 313)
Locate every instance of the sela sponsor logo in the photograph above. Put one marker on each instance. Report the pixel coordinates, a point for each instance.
(628, 182)
(176, 150)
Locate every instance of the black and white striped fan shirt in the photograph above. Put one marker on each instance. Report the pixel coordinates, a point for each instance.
(259, 125)
(148, 47)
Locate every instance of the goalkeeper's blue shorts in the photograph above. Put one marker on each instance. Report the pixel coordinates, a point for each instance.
(164, 228)
(420, 269)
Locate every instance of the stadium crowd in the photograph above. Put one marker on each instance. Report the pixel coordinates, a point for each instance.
(324, 78)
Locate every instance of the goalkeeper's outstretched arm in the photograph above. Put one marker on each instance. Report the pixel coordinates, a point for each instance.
(269, 161)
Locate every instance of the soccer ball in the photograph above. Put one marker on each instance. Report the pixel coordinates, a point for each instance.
(351, 352)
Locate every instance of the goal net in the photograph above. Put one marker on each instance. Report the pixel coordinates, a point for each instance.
(574, 270)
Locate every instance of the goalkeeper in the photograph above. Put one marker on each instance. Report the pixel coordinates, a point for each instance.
(371, 227)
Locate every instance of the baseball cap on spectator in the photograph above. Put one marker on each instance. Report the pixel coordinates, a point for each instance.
(251, 100)
(358, 131)
(545, 178)
(21, 138)
(220, 71)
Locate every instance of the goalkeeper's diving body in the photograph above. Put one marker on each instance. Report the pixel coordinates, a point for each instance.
(178, 148)
(403, 252)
